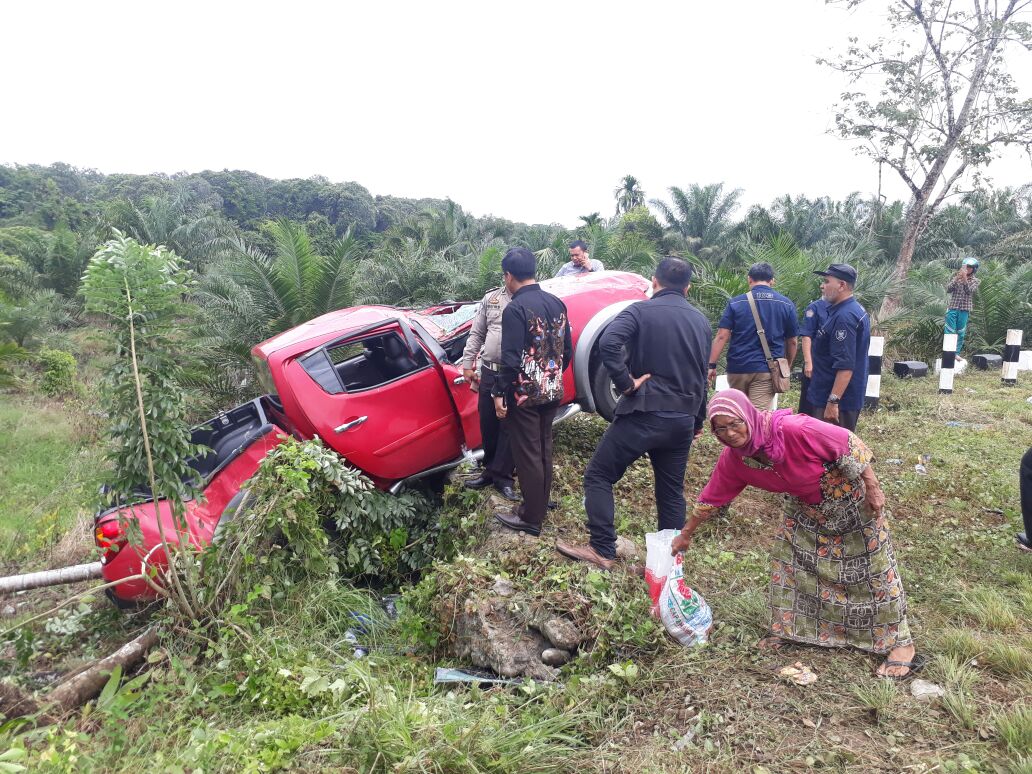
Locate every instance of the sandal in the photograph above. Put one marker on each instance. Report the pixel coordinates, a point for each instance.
(913, 667)
(1024, 543)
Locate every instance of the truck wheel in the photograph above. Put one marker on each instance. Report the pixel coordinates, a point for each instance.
(602, 391)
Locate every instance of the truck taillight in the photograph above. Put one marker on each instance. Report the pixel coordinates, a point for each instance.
(109, 537)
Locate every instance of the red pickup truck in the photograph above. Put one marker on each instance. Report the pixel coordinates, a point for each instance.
(383, 387)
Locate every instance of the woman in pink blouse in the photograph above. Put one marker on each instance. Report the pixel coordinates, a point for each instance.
(834, 581)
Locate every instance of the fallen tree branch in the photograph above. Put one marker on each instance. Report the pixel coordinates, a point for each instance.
(79, 689)
(34, 580)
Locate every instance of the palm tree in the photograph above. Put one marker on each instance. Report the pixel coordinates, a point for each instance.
(594, 219)
(176, 220)
(628, 194)
(10, 353)
(701, 215)
(248, 296)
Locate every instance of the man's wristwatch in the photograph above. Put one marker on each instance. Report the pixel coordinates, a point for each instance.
(713, 366)
(834, 399)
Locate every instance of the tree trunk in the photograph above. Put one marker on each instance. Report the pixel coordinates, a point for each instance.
(80, 688)
(35, 580)
(914, 225)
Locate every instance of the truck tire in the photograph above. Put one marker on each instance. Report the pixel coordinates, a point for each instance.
(602, 390)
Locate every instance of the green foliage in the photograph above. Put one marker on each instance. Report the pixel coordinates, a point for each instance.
(640, 220)
(59, 372)
(10, 353)
(278, 530)
(279, 533)
(141, 289)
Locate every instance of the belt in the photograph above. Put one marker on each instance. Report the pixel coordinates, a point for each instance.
(496, 367)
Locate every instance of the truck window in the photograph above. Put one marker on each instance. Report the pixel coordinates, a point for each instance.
(364, 364)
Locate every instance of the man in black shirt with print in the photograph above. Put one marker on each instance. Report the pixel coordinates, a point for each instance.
(662, 409)
(536, 350)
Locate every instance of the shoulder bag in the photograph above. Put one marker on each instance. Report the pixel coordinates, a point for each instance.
(780, 371)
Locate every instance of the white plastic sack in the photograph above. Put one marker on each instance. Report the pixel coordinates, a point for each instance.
(683, 611)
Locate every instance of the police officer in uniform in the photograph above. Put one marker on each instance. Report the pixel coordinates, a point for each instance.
(836, 390)
(485, 340)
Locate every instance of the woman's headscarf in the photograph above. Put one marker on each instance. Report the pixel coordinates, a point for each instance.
(764, 426)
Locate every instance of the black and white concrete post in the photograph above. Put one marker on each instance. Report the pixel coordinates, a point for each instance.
(874, 361)
(949, 362)
(1011, 353)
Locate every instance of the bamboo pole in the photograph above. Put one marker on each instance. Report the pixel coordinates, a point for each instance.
(34, 580)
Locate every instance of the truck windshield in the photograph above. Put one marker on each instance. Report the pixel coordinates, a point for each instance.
(448, 321)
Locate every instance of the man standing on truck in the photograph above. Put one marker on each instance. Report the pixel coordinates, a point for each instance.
(485, 340)
(580, 262)
(662, 409)
(536, 350)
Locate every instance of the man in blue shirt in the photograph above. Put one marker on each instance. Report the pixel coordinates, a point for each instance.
(839, 381)
(813, 318)
(747, 368)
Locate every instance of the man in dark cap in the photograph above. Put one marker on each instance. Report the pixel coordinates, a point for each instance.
(836, 390)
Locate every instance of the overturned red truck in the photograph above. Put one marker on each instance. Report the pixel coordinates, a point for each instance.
(381, 386)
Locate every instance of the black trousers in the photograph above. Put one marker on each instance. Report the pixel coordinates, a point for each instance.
(804, 406)
(1025, 480)
(530, 436)
(667, 442)
(847, 419)
(498, 462)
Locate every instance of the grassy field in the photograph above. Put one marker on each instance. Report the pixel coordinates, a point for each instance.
(294, 699)
(46, 470)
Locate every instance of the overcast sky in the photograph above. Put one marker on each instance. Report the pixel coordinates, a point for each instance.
(530, 111)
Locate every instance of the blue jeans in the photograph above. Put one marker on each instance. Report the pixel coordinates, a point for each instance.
(956, 322)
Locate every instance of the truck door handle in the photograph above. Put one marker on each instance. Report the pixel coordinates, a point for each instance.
(348, 425)
(459, 380)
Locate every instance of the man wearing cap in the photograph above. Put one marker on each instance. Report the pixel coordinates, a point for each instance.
(961, 289)
(747, 367)
(485, 340)
(580, 262)
(839, 381)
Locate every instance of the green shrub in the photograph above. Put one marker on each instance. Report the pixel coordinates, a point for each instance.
(59, 372)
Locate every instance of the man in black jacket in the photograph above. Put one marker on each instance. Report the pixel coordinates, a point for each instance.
(661, 410)
(536, 350)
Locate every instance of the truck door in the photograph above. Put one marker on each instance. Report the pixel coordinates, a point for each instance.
(465, 400)
(377, 400)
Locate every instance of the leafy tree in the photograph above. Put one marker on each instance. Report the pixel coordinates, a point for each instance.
(935, 101)
(594, 219)
(639, 220)
(140, 289)
(628, 194)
